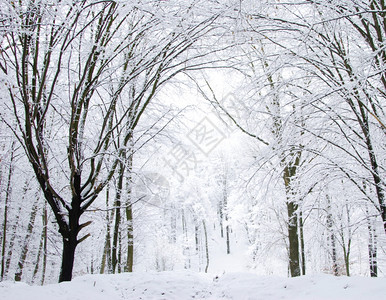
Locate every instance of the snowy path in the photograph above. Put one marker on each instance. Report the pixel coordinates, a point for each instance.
(188, 285)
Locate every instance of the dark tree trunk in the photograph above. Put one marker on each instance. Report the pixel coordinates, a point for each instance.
(68, 255)
(292, 210)
(377, 180)
(70, 234)
(130, 242)
(116, 261)
(293, 238)
(379, 187)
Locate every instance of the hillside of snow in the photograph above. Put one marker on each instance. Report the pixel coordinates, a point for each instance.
(189, 285)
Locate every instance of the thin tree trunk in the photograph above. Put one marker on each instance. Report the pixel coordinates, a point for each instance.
(186, 245)
(12, 239)
(196, 238)
(335, 267)
(119, 252)
(346, 255)
(206, 247)
(373, 251)
(173, 224)
(302, 250)
(24, 252)
(329, 224)
(107, 248)
(117, 203)
(45, 236)
(346, 250)
(372, 247)
(129, 219)
(114, 254)
(130, 242)
(225, 211)
(227, 229)
(40, 250)
(220, 212)
(197, 244)
(379, 187)
(92, 264)
(6, 205)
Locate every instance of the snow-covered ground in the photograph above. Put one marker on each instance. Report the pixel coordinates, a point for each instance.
(189, 285)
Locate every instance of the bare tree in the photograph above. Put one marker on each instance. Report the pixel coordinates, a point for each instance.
(364, 98)
(72, 63)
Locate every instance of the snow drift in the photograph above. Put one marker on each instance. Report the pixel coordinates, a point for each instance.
(190, 285)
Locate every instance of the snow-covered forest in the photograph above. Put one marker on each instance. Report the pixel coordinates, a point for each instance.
(200, 135)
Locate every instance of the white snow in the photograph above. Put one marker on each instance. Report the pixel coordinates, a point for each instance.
(181, 285)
